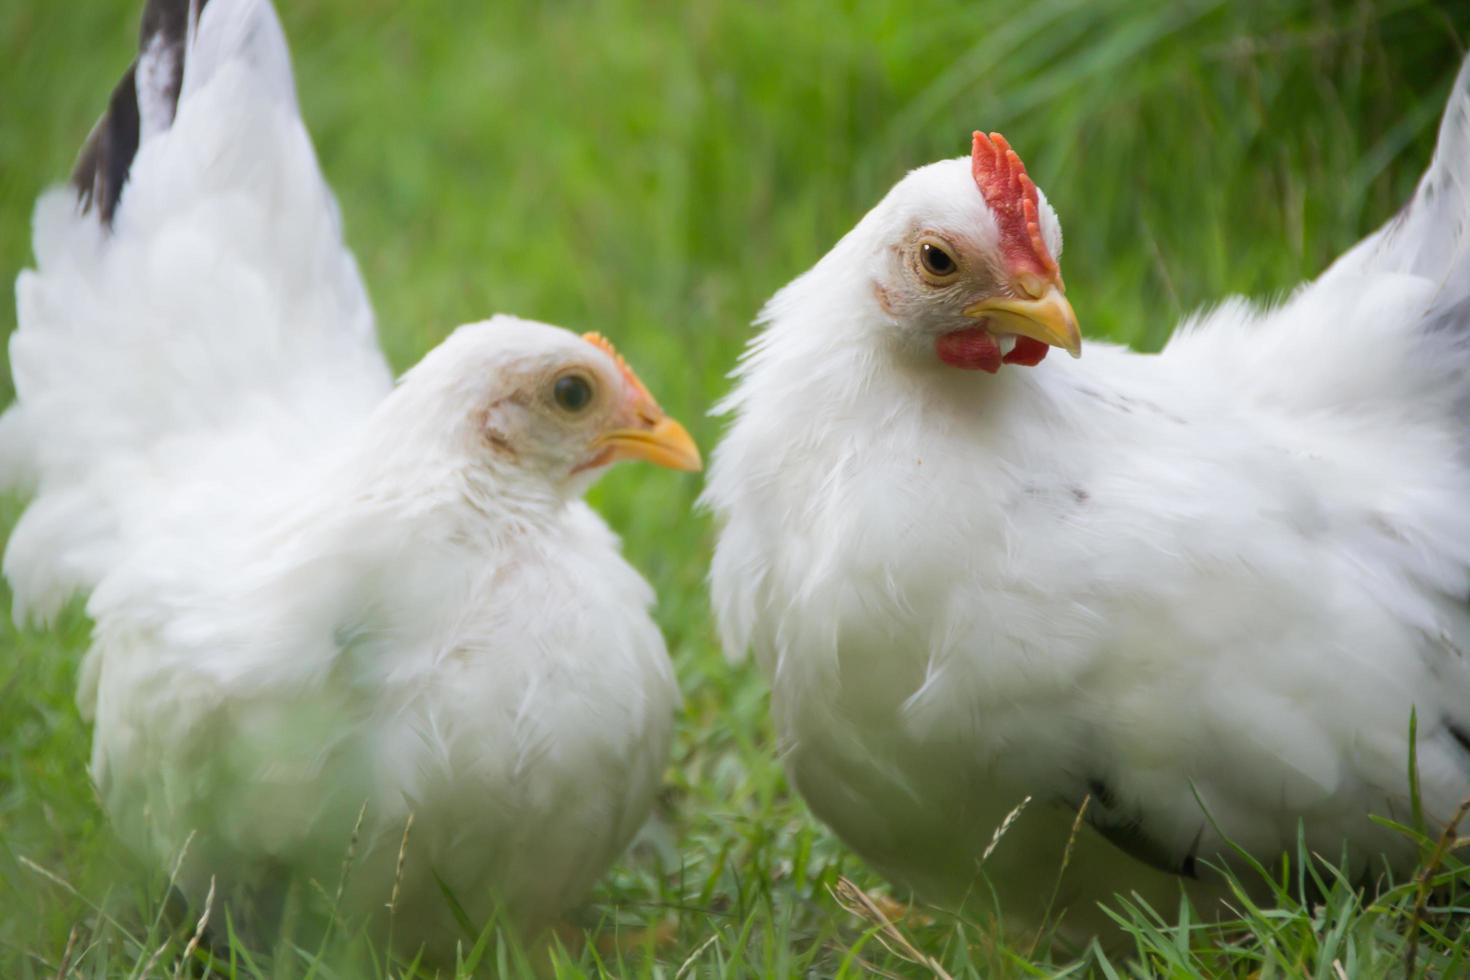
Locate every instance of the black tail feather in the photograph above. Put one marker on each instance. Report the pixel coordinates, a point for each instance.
(103, 165)
(154, 79)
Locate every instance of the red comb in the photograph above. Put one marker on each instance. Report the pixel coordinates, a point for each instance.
(1001, 177)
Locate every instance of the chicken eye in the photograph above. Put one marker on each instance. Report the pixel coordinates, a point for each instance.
(937, 261)
(572, 392)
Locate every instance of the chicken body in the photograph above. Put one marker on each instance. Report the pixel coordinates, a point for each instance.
(325, 607)
(1205, 593)
(356, 647)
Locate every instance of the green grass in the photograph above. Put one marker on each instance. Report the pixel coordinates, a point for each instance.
(654, 171)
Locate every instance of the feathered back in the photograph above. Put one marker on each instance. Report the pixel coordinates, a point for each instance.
(193, 315)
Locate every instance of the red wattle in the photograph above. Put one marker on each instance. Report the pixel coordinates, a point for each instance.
(1027, 351)
(970, 349)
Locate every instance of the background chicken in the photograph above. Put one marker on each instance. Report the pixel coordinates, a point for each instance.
(335, 621)
(1199, 596)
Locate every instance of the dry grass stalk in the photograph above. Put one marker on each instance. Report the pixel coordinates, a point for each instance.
(71, 945)
(858, 903)
(56, 879)
(1448, 841)
(173, 876)
(688, 963)
(1000, 831)
(1056, 887)
(352, 856)
(398, 871)
(147, 970)
(199, 928)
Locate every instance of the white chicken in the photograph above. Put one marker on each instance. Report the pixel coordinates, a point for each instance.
(1202, 592)
(321, 602)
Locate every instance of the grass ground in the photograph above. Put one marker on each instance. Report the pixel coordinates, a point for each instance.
(655, 171)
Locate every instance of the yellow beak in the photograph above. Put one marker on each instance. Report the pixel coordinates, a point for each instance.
(1045, 316)
(663, 442)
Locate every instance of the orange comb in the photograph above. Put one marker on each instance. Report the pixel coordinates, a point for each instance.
(606, 346)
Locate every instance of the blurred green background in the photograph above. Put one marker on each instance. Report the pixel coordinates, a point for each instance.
(654, 171)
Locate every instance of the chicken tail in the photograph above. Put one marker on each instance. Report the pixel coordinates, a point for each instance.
(191, 303)
(1386, 327)
(1430, 236)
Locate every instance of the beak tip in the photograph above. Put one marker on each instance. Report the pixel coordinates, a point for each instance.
(666, 443)
(686, 458)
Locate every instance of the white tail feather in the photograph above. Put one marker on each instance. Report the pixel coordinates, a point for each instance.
(1430, 237)
(222, 311)
(1387, 325)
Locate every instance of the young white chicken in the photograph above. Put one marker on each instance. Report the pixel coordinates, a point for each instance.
(1201, 593)
(320, 599)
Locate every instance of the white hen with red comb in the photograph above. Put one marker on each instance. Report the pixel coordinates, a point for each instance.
(324, 606)
(1204, 591)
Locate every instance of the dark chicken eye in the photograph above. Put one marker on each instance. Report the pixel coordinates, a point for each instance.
(936, 261)
(573, 392)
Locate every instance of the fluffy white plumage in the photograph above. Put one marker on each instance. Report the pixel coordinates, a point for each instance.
(316, 594)
(1206, 588)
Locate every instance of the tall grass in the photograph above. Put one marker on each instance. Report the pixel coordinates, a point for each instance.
(654, 171)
